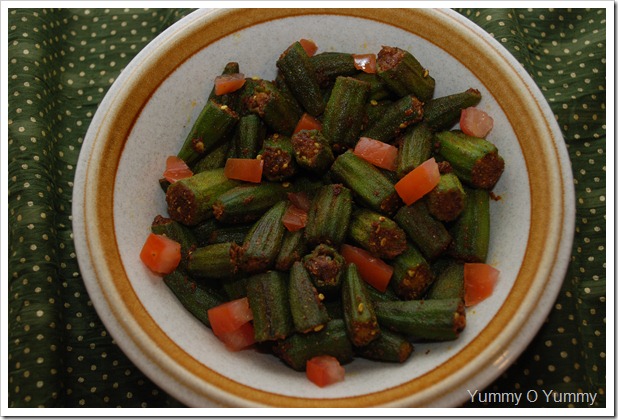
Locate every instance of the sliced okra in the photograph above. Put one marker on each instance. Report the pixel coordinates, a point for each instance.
(343, 117)
(280, 114)
(279, 158)
(475, 161)
(248, 202)
(396, 117)
(328, 217)
(212, 126)
(449, 282)
(312, 151)
(412, 275)
(415, 147)
(358, 314)
(429, 234)
(300, 76)
(444, 112)
(293, 248)
(308, 311)
(332, 340)
(389, 346)
(376, 233)
(470, 231)
(403, 73)
(263, 242)
(326, 267)
(446, 201)
(270, 304)
(215, 261)
(371, 186)
(328, 65)
(430, 320)
(190, 200)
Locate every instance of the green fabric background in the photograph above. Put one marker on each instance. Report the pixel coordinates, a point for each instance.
(61, 64)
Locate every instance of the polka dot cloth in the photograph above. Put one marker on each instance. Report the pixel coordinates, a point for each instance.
(61, 64)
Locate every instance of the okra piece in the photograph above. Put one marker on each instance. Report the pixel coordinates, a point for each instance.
(177, 232)
(308, 311)
(230, 99)
(312, 151)
(343, 116)
(196, 298)
(374, 110)
(358, 314)
(328, 65)
(228, 233)
(234, 287)
(470, 231)
(416, 146)
(214, 159)
(474, 160)
(376, 233)
(280, 114)
(399, 115)
(248, 202)
(403, 74)
(429, 234)
(270, 304)
(326, 267)
(412, 275)
(446, 201)
(328, 217)
(389, 346)
(443, 113)
(190, 200)
(293, 248)
(388, 294)
(212, 126)
(371, 186)
(449, 283)
(377, 88)
(263, 242)
(428, 320)
(332, 340)
(300, 76)
(215, 261)
(251, 135)
(278, 156)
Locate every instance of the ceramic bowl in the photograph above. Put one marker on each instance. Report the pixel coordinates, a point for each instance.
(146, 115)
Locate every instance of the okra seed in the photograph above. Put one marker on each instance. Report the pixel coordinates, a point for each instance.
(321, 296)
(425, 73)
(318, 328)
(361, 307)
(223, 107)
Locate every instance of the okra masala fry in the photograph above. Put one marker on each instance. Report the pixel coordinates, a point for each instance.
(339, 211)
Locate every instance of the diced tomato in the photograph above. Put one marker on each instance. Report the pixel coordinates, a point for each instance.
(160, 254)
(229, 316)
(294, 218)
(479, 282)
(300, 199)
(382, 155)
(227, 83)
(475, 122)
(324, 370)
(240, 338)
(365, 62)
(309, 46)
(371, 269)
(249, 170)
(418, 182)
(175, 169)
(307, 122)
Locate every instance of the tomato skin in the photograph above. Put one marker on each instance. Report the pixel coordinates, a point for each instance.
(378, 153)
(229, 316)
(418, 182)
(228, 83)
(176, 169)
(307, 122)
(309, 46)
(475, 122)
(371, 269)
(160, 254)
(324, 370)
(240, 338)
(365, 62)
(249, 170)
(479, 282)
(294, 218)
